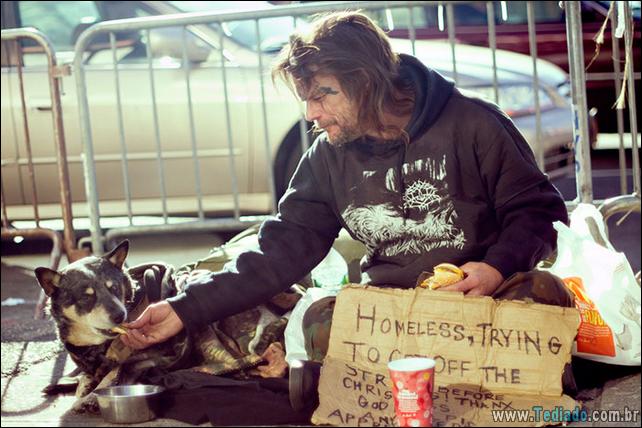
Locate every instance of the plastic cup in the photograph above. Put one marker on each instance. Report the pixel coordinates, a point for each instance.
(413, 380)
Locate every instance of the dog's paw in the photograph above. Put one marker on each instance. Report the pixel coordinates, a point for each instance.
(86, 404)
(63, 385)
(57, 388)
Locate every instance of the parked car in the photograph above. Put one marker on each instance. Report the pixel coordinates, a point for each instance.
(511, 24)
(63, 21)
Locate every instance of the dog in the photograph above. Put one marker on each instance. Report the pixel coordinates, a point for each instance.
(91, 296)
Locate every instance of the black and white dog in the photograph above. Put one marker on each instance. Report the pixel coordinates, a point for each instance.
(90, 297)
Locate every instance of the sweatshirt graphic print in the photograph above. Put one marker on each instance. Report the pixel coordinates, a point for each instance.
(385, 227)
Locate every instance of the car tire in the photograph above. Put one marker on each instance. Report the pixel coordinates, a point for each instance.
(287, 159)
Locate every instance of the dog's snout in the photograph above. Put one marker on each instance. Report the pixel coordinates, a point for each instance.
(118, 318)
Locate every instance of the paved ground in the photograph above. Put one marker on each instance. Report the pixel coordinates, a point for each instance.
(32, 357)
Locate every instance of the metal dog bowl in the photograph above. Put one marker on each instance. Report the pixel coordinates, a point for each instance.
(130, 403)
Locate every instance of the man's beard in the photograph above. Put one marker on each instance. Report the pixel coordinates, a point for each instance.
(345, 135)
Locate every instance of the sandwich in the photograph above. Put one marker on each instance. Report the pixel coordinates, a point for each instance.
(119, 329)
(443, 274)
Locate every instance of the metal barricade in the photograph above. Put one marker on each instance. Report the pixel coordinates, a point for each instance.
(67, 243)
(189, 20)
(623, 203)
(626, 203)
(447, 12)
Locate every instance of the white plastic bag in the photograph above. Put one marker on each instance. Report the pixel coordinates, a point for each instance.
(607, 293)
(331, 272)
(588, 223)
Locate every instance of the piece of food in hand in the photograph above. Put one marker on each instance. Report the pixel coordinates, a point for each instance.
(119, 329)
(443, 274)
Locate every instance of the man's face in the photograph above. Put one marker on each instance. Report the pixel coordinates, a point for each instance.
(331, 110)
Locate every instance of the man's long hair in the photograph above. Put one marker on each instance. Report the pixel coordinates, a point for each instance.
(353, 49)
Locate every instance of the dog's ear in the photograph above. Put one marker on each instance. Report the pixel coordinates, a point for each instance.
(48, 279)
(118, 255)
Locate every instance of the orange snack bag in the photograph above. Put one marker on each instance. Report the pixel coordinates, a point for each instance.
(593, 336)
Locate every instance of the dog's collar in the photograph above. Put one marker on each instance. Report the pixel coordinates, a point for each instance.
(86, 354)
(80, 350)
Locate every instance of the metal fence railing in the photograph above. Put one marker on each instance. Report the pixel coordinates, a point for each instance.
(188, 22)
(67, 243)
(626, 203)
(240, 156)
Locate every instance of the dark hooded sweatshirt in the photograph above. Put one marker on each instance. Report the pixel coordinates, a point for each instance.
(464, 188)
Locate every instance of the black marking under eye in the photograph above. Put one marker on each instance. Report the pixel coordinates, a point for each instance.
(327, 91)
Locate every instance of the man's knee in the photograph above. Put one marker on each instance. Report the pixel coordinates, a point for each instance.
(535, 286)
(317, 322)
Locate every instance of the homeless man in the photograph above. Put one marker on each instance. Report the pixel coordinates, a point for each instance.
(418, 171)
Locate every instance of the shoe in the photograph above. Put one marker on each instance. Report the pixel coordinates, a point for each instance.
(304, 384)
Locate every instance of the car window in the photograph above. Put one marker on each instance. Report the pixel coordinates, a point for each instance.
(64, 21)
(275, 32)
(58, 19)
(515, 12)
(635, 6)
(467, 14)
(399, 17)
(473, 13)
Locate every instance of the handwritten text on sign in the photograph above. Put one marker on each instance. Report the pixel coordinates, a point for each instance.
(473, 340)
(489, 355)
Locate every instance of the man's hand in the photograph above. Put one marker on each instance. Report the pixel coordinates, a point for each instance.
(481, 280)
(156, 324)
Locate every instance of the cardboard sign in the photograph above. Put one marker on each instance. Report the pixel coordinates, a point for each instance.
(490, 355)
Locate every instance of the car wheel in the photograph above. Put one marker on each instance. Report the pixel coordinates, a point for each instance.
(287, 159)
